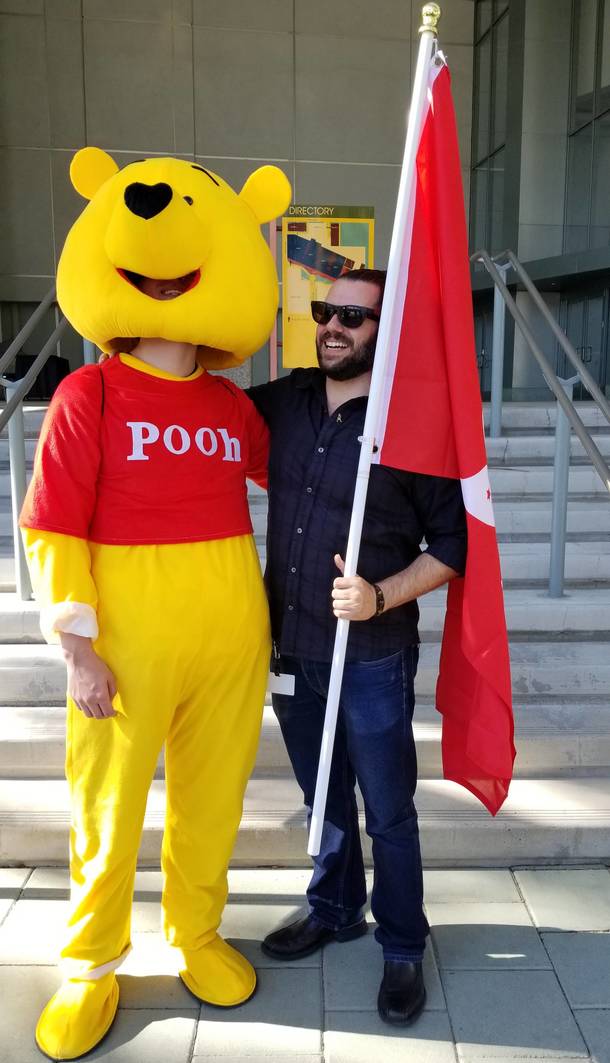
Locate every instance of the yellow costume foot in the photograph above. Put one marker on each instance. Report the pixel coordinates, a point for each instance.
(77, 1018)
(218, 974)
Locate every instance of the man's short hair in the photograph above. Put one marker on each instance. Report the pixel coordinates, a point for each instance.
(371, 276)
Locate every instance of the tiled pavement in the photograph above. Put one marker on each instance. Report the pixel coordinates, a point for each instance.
(519, 969)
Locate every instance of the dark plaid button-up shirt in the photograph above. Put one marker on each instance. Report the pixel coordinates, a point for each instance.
(312, 475)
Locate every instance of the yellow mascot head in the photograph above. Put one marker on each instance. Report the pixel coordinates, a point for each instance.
(173, 221)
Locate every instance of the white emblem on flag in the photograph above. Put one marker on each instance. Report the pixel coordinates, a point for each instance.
(476, 493)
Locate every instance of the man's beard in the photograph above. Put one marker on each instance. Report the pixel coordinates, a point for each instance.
(356, 362)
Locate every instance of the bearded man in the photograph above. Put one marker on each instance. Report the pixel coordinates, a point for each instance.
(316, 418)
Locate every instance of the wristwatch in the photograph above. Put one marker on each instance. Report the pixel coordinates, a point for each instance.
(380, 600)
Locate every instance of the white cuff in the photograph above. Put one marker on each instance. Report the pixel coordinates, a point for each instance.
(77, 969)
(73, 618)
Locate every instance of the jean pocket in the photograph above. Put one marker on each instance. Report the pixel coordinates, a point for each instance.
(379, 662)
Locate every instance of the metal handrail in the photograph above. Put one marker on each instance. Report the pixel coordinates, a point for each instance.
(548, 372)
(24, 334)
(568, 348)
(12, 415)
(21, 387)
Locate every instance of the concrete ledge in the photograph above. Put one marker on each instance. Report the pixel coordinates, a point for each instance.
(554, 740)
(542, 821)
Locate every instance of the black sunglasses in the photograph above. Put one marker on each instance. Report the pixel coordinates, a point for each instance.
(349, 316)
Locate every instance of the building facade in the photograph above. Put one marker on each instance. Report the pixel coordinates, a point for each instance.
(540, 176)
(321, 89)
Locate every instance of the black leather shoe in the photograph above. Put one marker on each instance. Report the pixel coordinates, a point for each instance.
(402, 993)
(306, 936)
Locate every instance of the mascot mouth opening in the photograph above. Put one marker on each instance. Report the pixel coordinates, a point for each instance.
(161, 289)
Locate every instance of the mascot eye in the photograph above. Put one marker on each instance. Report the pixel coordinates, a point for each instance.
(188, 200)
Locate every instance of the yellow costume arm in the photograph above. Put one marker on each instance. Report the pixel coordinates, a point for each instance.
(60, 567)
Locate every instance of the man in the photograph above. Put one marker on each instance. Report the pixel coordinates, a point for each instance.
(316, 417)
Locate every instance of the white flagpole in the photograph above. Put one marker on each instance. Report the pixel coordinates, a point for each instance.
(392, 306)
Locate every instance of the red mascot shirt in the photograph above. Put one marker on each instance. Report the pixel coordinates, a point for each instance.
(129, 458)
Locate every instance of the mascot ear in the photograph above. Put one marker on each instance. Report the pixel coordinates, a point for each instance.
(89, 169)
(267, 192)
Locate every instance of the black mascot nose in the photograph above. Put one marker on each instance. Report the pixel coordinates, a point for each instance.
(147, 200)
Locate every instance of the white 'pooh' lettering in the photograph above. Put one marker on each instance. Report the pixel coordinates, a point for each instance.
(177, 440)
(142, 433)
(184, 438)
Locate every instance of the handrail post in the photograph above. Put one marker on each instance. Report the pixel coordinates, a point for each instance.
(16, 446)
(497, 359)
(561, 475)
(89, 352)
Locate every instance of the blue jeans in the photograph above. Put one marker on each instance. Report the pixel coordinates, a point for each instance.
(375, 746)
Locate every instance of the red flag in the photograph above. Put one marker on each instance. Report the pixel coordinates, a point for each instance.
(434, 425)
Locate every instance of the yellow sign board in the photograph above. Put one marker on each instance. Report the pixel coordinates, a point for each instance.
(319, 244)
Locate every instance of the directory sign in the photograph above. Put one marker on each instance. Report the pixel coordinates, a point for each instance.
(320, 243)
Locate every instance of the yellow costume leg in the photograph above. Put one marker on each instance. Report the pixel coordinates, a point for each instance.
(109, 766)
(185, 631)
(210, 753)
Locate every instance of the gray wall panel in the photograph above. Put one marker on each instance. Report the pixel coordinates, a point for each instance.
(65, 86)
(224, 91)
(375, 186)
(355, 18)
(24, 111)
(243, 93)
(244, 14)
(129, 85)
(25, 221)
(63, 9)
(22, 7)
(351, 99)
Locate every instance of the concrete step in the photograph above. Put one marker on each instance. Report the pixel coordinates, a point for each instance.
(539, 450)
(532, 517)
(33, 416)
(530, 611)
(542, 820)
(30, 449)
(528, 562)
(580, 615)
(536, 417)
(35, 674)
(519, 480)
(562, 740)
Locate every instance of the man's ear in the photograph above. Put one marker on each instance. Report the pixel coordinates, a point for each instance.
(90, 169)
(267, 192)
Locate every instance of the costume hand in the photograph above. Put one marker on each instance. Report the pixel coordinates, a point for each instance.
(91, 684)
(353, 597)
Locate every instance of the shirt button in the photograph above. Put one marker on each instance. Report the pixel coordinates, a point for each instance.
(320, 450)
(293, 569)
(299, 531)
(309, 490)
(291, 608)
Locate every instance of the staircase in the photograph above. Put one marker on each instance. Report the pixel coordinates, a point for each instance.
(559, 806)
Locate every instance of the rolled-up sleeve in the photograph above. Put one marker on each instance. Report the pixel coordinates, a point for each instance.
(439, 505)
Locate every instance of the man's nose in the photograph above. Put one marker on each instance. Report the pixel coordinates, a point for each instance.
(147, 200)
(336, 320)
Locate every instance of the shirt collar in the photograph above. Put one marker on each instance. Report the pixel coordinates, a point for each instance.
(314, 378)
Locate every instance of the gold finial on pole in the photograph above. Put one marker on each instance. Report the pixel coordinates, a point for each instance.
(430, 14)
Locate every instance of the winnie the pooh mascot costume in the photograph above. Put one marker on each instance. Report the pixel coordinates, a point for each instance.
(138, 536)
